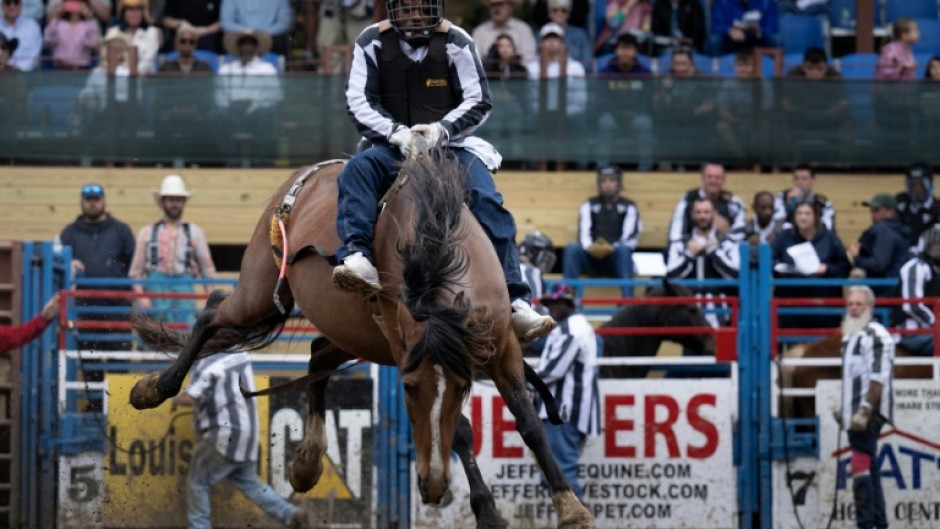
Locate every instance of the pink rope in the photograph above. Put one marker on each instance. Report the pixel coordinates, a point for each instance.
(280, 223)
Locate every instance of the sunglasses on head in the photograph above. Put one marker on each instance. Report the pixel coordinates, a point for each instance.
(92, 190)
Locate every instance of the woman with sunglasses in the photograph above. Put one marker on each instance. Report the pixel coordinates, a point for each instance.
(186, 63)
(72, 35)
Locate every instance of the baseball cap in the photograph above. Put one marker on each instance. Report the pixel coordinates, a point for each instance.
(559, 292)
(92, 190)
(881, 200)
(552, 29)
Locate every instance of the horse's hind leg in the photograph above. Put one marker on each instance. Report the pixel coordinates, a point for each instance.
(508, 375)
(481, 499)
(307, 465)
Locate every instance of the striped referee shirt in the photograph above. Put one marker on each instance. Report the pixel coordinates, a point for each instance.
(867, 355)
(568, 367)
(223, 417)
(467, 77)
(920, 278)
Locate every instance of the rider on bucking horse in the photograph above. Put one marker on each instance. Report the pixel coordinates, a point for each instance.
(416, 76)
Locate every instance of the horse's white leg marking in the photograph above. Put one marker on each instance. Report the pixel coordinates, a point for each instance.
(437, 461)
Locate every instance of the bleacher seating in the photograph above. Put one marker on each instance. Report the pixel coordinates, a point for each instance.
(895, 9)
(799, 32)
(858, 65)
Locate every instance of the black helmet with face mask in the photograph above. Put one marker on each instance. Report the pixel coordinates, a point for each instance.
(609, 172)
(415, 20)
(538, 249)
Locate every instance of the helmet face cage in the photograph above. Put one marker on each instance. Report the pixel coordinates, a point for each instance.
(538, 249)
(610, 172)
(415, 20)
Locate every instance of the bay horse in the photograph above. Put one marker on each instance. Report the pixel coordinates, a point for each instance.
(831, 347)
(443, 312)
(655, 315)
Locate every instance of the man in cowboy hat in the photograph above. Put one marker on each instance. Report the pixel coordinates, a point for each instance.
(247, 83)
(171, 249)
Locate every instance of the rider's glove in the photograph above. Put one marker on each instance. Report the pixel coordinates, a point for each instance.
(428, 136)
(859, 421)
(402, 138)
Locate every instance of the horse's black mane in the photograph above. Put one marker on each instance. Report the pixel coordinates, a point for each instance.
(433, 263)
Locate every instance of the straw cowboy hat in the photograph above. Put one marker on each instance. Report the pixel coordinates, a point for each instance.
(233, 38)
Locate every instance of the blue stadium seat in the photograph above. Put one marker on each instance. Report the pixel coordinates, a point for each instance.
(858, 65)
(800, 32)
(929, 36)
(895, 9)
(791, 60)
(210, 57)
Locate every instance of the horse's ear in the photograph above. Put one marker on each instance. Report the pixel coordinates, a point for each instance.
(669, 288)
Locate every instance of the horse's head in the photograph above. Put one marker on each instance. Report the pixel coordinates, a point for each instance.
(684, 315)
(441, 349)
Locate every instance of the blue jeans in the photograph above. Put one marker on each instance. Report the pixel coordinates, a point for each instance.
(921, 344)
(618, 264)
(866, 490)
(208, 467)
(369, 174)
(173, 310)
(566, 443)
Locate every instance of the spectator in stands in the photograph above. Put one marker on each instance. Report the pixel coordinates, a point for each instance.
(867, 402)
(932, 70)
(569, 361)
(895, 102)
(579, 15)
(680, 23)
(101, 9)
(804, 182)
(549, 65)
(623, 17)
(729, 208)
(391, 114)
(738, 24)
(503, 62)
(340, 22)
(141, 33)
(763, 226)
(680, 99)
(625, 62)
(501, 21)
(115, 60)
(200, 15)
(536, 258)
(816, 108)
(273, 17)
(102, 248)
(738, 104)
(918, 209)
(26, 32)
(824, 257)
(576, 39)
(896, 61)
(187, 38)
(609, 229)
(883, 247)
(171, 249)
(227, 448)
(72, 35)
(7, 48)
(12, 337)
(705, 253)
(631, 111)
(920, 278)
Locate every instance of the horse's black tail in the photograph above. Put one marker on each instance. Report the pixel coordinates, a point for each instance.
(246, 338)
(434, 261)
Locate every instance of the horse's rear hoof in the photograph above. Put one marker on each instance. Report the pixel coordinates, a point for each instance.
(305, 470)
(572, 514)
(144, 395)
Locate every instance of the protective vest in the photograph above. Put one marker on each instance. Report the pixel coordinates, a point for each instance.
(416, 92)
(607, 222)
(153, 247)
(920, 221)
(722, 207)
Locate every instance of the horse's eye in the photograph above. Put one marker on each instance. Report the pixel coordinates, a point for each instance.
(410, 389)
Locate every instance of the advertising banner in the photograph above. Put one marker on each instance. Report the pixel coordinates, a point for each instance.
(908, 458)
(662, 461)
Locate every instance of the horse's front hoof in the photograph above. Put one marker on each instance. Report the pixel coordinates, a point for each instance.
(145, 395)
(572, 514)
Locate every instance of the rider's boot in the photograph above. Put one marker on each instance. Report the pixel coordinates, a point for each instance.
(357, 274)
(527, 323)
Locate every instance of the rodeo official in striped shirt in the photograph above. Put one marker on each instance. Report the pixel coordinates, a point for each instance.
(569, 368)
(227, 425)
(867, 364)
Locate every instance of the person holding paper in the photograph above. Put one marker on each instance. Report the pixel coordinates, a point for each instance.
(807, 250)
